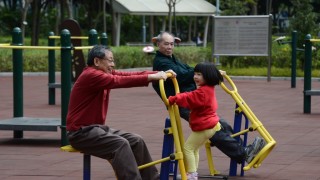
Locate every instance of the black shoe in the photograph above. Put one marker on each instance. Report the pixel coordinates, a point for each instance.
(253, 149)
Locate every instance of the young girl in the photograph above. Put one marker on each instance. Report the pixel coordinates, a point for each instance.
(204, 120)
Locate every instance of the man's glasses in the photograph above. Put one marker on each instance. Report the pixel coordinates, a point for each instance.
(109, 60)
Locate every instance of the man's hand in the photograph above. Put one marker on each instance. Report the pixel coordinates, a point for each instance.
(172, 72)
(223, 72)
(157, 76)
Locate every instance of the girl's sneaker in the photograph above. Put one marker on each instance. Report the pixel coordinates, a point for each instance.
(192, 176)
(253, 149)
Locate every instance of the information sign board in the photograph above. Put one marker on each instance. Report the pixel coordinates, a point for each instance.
(241, 35)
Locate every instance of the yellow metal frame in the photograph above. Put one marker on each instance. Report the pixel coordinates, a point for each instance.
(177, 132)
(176, 129)
(256, 125)
(68, 148)
(315, 40)
(30, 47)
(71, 37)
(8, 46)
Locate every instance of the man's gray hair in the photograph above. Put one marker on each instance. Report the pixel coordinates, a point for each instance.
(98, 51)
(159, 37)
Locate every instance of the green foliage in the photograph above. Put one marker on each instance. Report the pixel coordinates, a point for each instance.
(33, 60)
(191, 55)
(5, 60)
(133, 57)
(47, 24)
(234, 7)
(304, 19)
(9, 19)
(129, 26)
(304, 22)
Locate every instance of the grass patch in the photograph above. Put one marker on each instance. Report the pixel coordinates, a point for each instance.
(263, 71)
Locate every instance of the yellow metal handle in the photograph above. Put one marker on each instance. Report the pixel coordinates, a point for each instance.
(256, 125)
(224, 87)
(163, 92)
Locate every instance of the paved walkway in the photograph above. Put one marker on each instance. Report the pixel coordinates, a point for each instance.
(280, 108)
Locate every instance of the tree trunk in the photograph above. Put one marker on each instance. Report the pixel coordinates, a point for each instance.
(195, 27)
(116, 27)
(61, 11)
(254, 9)
(269, 6)
(170, 17)
(69, 8)
(24, 22)
(35, 22)
(114, 24)
(190, 29)
(58, 18)
(151, 27)
(175, 20)
(205, 36)
(163, 28)
(104, 16)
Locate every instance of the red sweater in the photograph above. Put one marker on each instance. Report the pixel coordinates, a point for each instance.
(89, 98)
(203, 105)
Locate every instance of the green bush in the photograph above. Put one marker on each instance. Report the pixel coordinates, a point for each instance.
(192, 55)
(33, 60)
(132, 57)
(125, 56)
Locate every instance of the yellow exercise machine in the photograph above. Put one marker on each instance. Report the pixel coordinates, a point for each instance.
(177, 133)
(256, 125)
(175, 129)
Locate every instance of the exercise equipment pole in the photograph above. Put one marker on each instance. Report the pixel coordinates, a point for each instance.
(307, 74)
(293, 59)
(93, 37)
(104, 39)
(51, 69)
(17, 61)
(65, 81)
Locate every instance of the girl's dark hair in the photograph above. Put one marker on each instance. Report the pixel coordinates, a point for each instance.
(210, 73)
(98, 51)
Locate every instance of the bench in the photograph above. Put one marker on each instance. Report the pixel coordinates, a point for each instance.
(20, 124)
(86, 161)
(312, 92)
(30, 124)
(307, 99)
